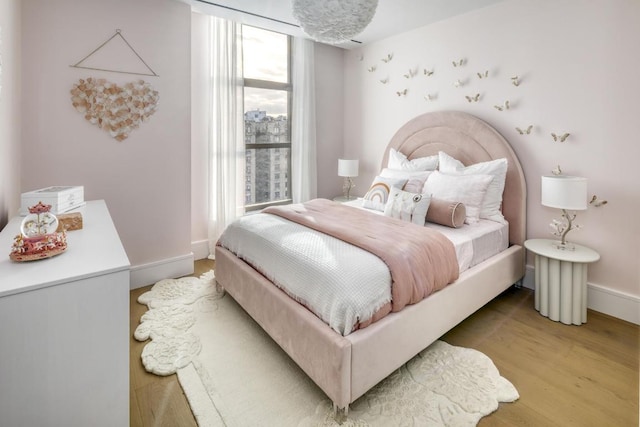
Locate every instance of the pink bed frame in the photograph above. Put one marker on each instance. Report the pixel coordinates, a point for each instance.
(347, 367)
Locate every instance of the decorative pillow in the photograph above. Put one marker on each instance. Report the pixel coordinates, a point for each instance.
(467, 189)
(415, 179)
(451, 214)
(497, 168)
(378, 193)
(399, 161)
(407, 206)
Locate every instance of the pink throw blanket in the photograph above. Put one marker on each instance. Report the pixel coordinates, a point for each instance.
(421, 260)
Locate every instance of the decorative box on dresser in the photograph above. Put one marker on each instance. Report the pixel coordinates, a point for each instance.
(561, 280)
(64, 329)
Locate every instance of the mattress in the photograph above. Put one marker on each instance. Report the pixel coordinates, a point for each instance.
(340, 283)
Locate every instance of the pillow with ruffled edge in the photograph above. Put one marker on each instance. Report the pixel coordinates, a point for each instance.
(443, 212)
(415, 179)
(399, 161)
(492, 204)
(467, 189)
(376, 197)
(410, 207)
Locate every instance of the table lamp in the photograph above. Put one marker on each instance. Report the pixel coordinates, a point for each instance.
(348, 169)
(566, 193)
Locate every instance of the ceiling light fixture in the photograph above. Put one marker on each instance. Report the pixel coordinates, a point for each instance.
(333, 21)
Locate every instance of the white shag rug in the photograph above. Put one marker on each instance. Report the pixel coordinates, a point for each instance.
(233, 374)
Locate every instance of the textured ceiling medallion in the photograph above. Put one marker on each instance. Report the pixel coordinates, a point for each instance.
(334, 21)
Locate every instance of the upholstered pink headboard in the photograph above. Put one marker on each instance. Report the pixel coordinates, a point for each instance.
(470, 140)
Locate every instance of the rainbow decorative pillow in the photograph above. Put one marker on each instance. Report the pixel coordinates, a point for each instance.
(407, 206)
(376, 197)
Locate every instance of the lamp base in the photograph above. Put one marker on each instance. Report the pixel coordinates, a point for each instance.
(566, 246)
(347, 187)
(560, 229)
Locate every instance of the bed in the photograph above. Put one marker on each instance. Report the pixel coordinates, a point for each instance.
(346, 367)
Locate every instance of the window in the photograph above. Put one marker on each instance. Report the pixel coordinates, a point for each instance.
(267, 107)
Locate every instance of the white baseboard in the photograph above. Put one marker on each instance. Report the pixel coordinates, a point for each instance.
(599, 298)
(200, 249)
(148, 274)
(614, 303)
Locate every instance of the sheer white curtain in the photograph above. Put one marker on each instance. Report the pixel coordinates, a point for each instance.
(222, 100)
(218, 118)
(303, 122)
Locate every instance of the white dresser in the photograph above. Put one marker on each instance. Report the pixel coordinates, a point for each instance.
(64, 330)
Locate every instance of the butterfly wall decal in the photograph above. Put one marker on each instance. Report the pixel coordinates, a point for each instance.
(561, 138)
(503, 107)
(388, 58)
(402, 92)
(410, 74)
(428, 73)
(515, 81)
(527, 131)
(473, 98)
(371, 69)
(360, 57)
(458, 63)
(384, 81)
(458, 83)
(430, 97)
(483, 75)
(557, 171)
(597, 202)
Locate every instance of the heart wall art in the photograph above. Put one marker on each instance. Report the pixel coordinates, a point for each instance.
(115, 109)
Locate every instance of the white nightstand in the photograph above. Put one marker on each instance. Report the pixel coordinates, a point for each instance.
(561, 280)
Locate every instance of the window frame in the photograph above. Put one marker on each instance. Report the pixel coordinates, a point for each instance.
(288, 88)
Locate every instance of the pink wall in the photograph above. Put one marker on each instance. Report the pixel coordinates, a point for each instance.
(576, 62)
(329, 118)
(145, 179)
(10, 24)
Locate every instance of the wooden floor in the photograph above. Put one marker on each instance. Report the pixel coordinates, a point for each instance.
(566, 375)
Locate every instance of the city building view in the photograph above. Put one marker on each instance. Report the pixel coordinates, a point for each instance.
(266, 168)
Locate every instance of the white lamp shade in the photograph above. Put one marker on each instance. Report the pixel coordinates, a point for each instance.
(347, 167)
(564, 192)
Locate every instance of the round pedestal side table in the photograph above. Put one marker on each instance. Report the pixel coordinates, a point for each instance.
(561, 280)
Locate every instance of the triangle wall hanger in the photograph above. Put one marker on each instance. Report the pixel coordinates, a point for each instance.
(84, 62)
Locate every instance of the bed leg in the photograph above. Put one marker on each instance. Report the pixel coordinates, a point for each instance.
(518, 284)
(219, 290)
(340, 414)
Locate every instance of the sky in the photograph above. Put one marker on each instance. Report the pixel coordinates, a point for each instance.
(265, 58)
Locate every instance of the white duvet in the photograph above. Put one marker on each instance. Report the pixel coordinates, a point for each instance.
(339, 282)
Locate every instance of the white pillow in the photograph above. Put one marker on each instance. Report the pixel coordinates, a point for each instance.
(467, 189)
(376, 197)
(407, 206)
(415, 179)
(399, 161)
(491, 206)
